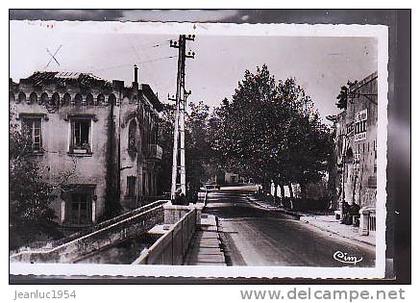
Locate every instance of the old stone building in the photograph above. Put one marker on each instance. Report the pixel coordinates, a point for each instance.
(95, 140)
(356, 144)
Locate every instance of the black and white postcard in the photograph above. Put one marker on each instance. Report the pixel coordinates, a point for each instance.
(194, 149)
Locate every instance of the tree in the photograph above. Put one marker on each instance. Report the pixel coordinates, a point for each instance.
(270, 131)
(197, 144)
(343, 96)
(197, 147)
(166, 141)
(31, 215)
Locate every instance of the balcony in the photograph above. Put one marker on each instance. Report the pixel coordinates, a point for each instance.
(155, 152)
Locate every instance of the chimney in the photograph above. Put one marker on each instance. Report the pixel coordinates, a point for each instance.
(136, 74)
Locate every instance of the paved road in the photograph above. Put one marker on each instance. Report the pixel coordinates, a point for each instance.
(255, 236)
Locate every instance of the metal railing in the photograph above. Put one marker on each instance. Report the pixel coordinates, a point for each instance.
(372, 221)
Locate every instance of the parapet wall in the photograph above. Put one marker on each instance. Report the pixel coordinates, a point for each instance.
(116, 231)
(171, 248)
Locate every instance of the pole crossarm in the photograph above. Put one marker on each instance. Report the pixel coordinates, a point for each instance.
(171, 98)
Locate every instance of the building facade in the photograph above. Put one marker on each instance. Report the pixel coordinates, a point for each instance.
(94, 140)
(356, 144)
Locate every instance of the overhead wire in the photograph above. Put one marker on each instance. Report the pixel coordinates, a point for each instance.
(130, 64)
(137, 57)
(144, 48)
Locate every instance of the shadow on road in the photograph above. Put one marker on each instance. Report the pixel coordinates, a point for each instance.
(261, 237)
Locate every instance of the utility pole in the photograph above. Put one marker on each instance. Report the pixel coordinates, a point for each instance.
(181, 105)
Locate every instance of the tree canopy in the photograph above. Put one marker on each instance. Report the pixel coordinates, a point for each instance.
(343, 96)
(271, 131)
(197, 144)
(268, 131)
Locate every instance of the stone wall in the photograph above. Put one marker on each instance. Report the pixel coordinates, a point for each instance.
(117, 230)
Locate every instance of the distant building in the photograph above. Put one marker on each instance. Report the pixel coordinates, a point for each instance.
(95, 138)
(356, 144)
(228, 178)
(232, 178)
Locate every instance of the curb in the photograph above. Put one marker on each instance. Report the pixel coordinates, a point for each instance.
(282, 210)
(340, 235)
(219, 238)
(299, 215)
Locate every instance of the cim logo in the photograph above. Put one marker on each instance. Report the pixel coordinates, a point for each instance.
(344, 257)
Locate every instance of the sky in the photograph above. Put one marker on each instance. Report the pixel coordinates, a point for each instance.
(321, 65)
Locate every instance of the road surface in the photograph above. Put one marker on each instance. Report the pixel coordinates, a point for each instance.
(255, 236)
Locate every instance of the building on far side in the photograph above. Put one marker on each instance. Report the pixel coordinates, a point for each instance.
(95, 140)
(356, 146)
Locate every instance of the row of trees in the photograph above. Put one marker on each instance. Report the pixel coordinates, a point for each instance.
(268, 131)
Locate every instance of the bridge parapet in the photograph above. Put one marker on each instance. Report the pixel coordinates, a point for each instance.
(171, 248)
(107, 233)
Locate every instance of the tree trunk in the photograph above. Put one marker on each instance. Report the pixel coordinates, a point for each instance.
(275, 192)
(303, 190)
(290, 190)
(265, 187)
(281, 194)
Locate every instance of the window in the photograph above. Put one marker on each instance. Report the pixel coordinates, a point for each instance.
(80, 211)
(33, 98)
(21, 97)
(80, 136)
(89, 99)
(100, 99)
(32, 127)
(131, 186)
(66, 99)
(44, 99)
(132, 134)
(78, 99)
(55, 99)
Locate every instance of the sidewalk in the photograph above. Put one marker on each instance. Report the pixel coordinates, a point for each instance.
(330, 224)
(326, 223)
(205, 248)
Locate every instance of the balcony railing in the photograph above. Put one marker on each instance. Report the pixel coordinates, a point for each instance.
(155, 152)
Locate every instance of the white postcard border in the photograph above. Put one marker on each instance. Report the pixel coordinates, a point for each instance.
(380, 32)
